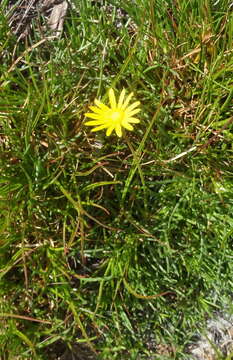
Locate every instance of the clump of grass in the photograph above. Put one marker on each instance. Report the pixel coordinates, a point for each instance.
(118, 245)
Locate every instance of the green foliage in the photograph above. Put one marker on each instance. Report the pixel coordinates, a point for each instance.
(92, 228)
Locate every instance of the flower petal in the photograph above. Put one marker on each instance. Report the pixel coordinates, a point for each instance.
(95, 109)
(133, 120)
(110, 130)
(100, 127)
(112, 98)
(118, 130)
(133, 106)
(121, 99)
(133, 112)
(127, 101)
(127, 126)
(101, 105)
(93, 116)
(94, 122)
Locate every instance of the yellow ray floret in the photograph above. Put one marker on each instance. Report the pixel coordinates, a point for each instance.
(119, 114)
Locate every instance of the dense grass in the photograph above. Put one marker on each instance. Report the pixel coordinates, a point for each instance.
(93, 227)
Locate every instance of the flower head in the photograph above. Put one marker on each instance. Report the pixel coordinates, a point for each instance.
(119, 114)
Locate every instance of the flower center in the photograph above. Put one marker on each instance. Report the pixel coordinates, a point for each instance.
(117, 116)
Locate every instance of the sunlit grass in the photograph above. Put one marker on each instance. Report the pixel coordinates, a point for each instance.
(116, 245)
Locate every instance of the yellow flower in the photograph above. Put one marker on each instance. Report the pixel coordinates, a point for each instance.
(116, 116)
